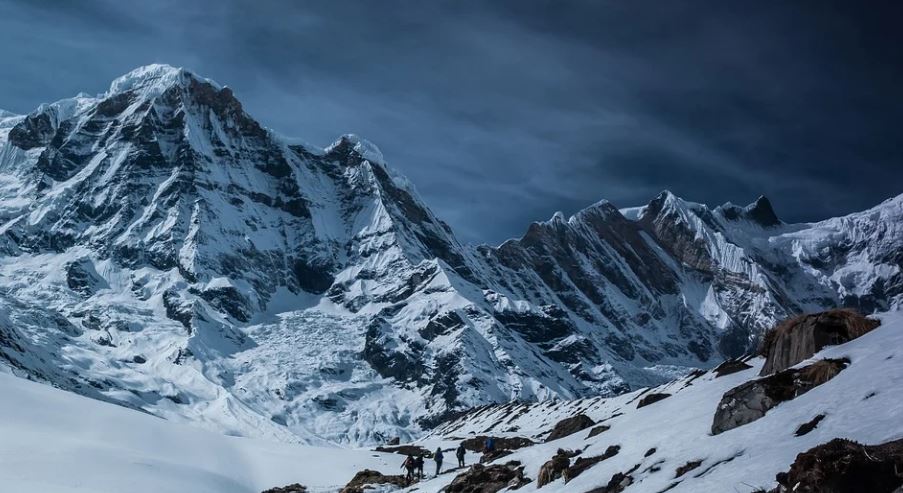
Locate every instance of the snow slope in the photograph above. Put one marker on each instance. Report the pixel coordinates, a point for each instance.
(59, 442)
(862, 403)
(160, 249)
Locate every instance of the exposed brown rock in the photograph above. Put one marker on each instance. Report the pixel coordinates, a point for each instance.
(488, 479)
(584, 463)
(750, 401)
(495, 454)
(475, 444)
(406, 450)
(651, 399)
(569, 426)
(797, 339)
(689, 466)
(598, 429)
(292, 488)
(617, 483)
(809, 425)
(842, 466)
(362, 479)
(554, 468)
(729, 367)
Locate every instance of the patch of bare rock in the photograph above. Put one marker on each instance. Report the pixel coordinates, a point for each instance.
(569, 426)
(751, 400)
(489, 479)
(842, 466)
(797, 339)
(365, 479)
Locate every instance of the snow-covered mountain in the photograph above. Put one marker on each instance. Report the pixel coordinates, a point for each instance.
(162, 250)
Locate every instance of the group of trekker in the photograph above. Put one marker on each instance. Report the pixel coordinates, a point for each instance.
(414, 465)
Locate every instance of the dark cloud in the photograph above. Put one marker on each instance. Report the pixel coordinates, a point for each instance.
(504, 111)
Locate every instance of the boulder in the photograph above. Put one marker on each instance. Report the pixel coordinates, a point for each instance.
(730, 367)
(292, 488)
(364, 479)
(597, 430)
(651, 399)
(750, 401)
(554, 468)
(841, 466)
(584, 463)
(797, 339)
(475, 444)
(569, 426)
(488, 479)
(415, 450)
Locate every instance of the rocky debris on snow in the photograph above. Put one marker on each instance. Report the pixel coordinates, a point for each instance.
(364, 480)
(842, 466)
(406, 450)
(495, 454)
(584, 463)
(651, 399)
(618, 482)
(798, 338)
(569, 426)
(292, 488)
(489, 479)
(649, 452)
(597, 430)
(809, 425)
(730, 367)
(394, 441)
(689, 466)
(554, 468)
(751, 400)
(477, 443)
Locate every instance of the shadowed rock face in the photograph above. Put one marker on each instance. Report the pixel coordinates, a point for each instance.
(750, 401)
(569, 426)
(798, 338)
(367, 479)
(489, 479)
(842, 466)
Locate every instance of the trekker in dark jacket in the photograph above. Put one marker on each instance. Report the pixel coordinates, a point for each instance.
(408, 465)
(418, 464)
(438, 457)
(460, 453)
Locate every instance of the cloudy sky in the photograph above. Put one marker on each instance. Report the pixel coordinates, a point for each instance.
(502, 112)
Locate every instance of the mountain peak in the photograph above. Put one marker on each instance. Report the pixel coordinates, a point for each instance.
(760, 212)
(154, 79)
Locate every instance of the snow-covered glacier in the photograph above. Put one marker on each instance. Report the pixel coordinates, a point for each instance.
(162, 250)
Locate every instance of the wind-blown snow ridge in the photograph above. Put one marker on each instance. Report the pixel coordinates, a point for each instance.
(160, 249)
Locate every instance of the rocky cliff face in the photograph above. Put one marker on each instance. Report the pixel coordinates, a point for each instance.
(162, 250)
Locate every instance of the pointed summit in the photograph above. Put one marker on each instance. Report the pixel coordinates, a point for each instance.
(152, 80)
(762, 212)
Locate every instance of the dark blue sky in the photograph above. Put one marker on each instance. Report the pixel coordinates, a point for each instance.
(502, 112)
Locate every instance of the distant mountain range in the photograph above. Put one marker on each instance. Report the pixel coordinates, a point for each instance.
(162, 250)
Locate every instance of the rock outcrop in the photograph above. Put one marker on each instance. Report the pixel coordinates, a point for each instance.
(365, 479)
(554, 468)
(797, 339)
(292, 488)
(569, 426)
(583, 463)
(651, 399)
(477, 443)
(489, 479)
(842, 466)
(750, 401)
